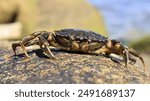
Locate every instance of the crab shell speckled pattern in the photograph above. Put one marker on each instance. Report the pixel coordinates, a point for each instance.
(77, 34)
(66, 37)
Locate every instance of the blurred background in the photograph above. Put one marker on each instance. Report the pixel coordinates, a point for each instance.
(129, 22)
(125, 20)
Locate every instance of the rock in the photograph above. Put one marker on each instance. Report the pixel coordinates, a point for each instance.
(50, 15)
(12, 11)
(58, 14)
(8, 11)
(67, 68)
(10, 30)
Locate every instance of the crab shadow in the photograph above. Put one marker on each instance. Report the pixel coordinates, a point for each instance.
(39, 53)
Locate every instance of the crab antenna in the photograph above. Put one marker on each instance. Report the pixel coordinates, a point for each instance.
(133, 52)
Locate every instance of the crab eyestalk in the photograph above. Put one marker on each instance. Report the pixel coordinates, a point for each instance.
(134, 53)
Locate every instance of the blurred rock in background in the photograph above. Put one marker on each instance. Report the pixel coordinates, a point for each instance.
(15, 18)
(33, 15)
(57, 14)
(129, 22)
(8, 16)
(10, 30)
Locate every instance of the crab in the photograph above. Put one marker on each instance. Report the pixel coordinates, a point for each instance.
(77, 40)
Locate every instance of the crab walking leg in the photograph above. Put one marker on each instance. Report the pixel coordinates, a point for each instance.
(30, 43)
(14, 46)
(44, 46)
(126, 57)
(49, 51)
(132, 60)
(27, 41)
(106, 50)
(131, 51)
(23, 48)
(23, 42)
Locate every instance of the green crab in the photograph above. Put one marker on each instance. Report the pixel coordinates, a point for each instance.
(77, 40)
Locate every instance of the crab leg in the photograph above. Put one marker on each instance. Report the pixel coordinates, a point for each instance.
(134, 53)
(27, 41)
(14, 46)
(126, 57)
(132, 60)
(44, 46)
(23, 48)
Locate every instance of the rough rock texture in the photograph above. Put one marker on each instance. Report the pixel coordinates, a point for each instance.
(67, 68)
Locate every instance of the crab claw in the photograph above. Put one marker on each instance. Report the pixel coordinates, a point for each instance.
(134, 53)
